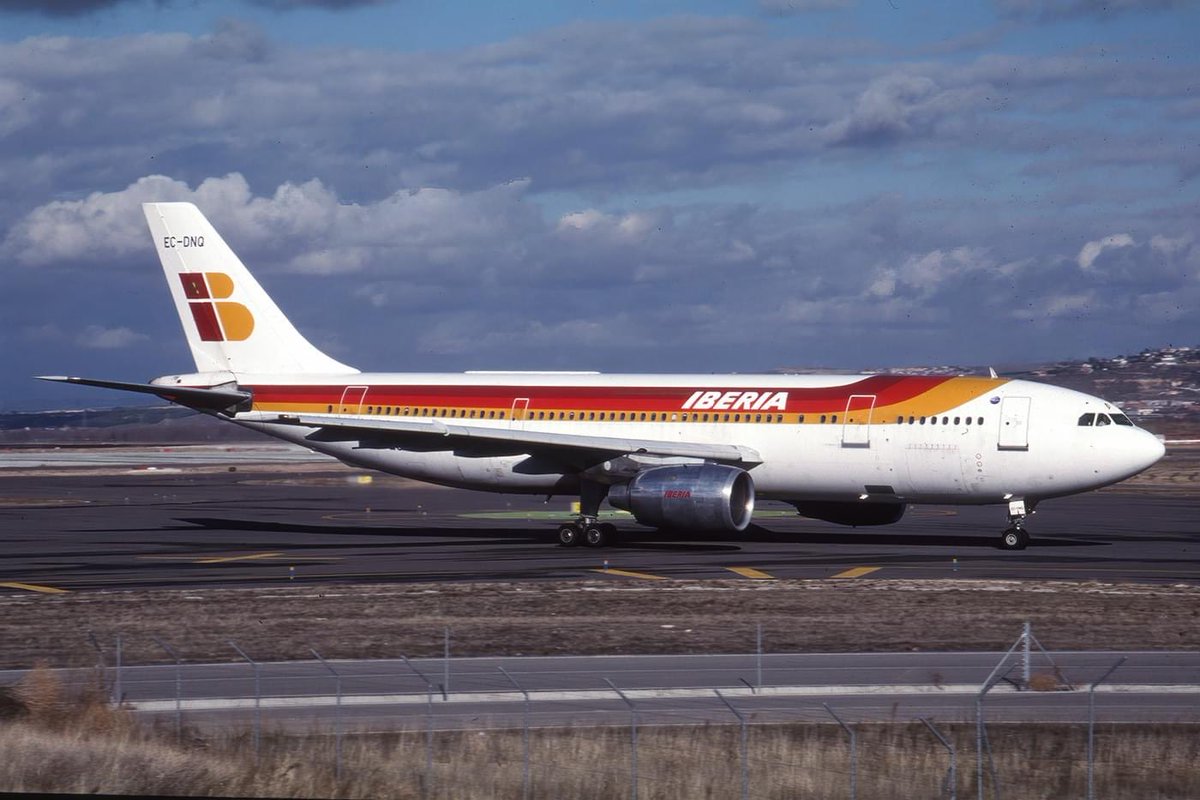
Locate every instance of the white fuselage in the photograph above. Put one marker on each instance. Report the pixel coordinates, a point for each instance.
(975, 442)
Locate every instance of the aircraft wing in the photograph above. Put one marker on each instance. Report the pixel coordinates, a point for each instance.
(446, 435)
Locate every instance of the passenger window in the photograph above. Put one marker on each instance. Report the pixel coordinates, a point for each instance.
(623, 416)
(979, 420)
(822, 419)
(956, 419)
(1087, 420)
(501, 415)
(922, 420)
(642, 417)
(1102, 419)
(758, 417)
(799, 419)
(968, 420)
(1121, 419)
(945, 420)
(329, 410)
(933, 420)
(833, 419)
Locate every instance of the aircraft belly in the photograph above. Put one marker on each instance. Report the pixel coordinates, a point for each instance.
(814, 463)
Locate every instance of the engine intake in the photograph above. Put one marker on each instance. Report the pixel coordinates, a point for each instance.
(706, 497)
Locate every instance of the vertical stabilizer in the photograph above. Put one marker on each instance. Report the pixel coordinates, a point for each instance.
(230, 322)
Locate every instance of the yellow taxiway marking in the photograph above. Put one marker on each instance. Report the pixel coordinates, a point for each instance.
(752, 573)
(223, 559)
(630, 574)
(857, 572)
(32, 587)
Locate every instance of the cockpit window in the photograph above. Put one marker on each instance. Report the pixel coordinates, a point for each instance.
(1121, 419)
(1102, 419)
(1087, 420)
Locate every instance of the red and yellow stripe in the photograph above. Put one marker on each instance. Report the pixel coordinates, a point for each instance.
(895, 396)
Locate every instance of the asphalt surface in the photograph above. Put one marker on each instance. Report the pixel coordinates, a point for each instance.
(180, 526)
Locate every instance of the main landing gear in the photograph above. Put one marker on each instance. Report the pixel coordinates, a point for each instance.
(588, 530)
(1016, 537)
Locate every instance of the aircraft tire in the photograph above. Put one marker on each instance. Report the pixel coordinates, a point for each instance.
(1014, 539)
(595, 536)
(569, 536)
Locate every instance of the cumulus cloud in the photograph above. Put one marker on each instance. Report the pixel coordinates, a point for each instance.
(97, 337)
(303, 227)
(1092, 250)
(896, 106)
(681, 193)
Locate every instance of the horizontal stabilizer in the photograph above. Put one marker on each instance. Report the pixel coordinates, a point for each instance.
(191, 397)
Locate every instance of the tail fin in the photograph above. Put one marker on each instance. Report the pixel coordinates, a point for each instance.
(230, 322)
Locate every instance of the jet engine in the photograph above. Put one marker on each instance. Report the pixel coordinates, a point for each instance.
(855, 514)
(704, 497)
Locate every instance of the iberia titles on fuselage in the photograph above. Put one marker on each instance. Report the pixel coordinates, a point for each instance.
(677, 451)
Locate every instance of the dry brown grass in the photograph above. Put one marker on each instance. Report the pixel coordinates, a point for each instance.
(72, 753)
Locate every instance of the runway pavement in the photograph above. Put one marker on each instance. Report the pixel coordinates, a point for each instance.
(474, 693)
(185, 525)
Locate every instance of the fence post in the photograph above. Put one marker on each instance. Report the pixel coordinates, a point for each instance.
(853, 752)
(1091, 794)
(758, 651)
(257, 700)
(525, 770)
(120, 694)
(446, 661)
(337, 717)
(178, 687)
(103, 667)
(633, 759)
(744, 752)
(952, 775)
(981, 731)
(427, 782)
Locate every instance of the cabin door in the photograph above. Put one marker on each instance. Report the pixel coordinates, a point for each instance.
(1014, 424)
(352, 400)
(856, 424)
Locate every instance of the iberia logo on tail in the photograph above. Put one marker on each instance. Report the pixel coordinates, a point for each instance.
(219, 321)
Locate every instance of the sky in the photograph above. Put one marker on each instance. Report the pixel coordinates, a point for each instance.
(655, 186)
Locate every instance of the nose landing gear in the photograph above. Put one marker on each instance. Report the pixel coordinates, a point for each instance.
(1016, 537)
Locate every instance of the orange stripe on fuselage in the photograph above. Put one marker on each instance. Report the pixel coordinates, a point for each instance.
(895, 396)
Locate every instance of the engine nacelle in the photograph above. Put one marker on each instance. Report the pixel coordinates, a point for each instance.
(705, 497)
(855, 514)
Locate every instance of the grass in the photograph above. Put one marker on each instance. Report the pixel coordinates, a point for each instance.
(58, 740)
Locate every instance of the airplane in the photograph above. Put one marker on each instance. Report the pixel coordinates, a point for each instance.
(683, 452)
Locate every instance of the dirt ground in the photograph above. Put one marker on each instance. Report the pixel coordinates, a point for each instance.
(596, 617)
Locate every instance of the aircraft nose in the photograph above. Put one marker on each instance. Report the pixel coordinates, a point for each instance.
(1147, 450)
